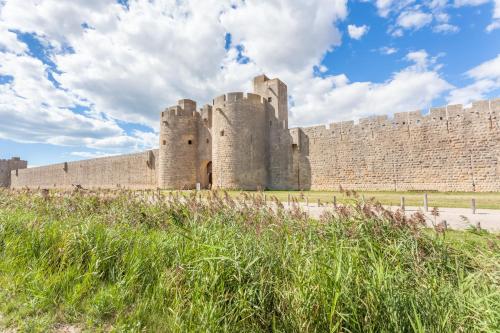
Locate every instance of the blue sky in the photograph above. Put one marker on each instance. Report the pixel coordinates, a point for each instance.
(87, 78)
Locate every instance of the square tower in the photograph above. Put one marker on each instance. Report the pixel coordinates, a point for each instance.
(275, 92)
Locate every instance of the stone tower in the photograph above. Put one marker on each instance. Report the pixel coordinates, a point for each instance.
(239, 148)
(279, 140)
(178, 152)
(6, 168)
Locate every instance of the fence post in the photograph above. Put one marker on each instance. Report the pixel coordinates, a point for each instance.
(403, 203)
(307, 201)
(335, 201)
(426, 203)
(319, 202)
(288, 202)
(473, 204)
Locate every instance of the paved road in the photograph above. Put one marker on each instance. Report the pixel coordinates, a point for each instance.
(456, 218)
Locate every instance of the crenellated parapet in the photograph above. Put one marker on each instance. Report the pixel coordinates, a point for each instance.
(451, 116)
(237, 97)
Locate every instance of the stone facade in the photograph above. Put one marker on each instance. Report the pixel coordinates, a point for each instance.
(242, 141)
(134, 171)
(9, 166)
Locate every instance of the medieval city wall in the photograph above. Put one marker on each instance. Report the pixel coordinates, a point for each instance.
(134, 171)
(449, 149)
(7, 166)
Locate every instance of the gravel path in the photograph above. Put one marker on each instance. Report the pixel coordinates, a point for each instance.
(456, 218)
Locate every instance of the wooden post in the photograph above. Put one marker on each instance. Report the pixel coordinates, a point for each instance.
(319, 202)
(403, 203)
(335, 201)
(265, 198)
(307, 202)
(426, 203)
(288, 202)
(473, 204)
(445, 224)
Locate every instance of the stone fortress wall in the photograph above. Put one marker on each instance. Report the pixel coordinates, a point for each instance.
(9, 166)
(449, 149)
(134, 171)
(242, 141)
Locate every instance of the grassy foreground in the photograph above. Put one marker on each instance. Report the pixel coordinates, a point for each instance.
(436, 199)
(121, 262)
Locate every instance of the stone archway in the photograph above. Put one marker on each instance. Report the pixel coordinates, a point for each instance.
(209, 174)
(206, 175)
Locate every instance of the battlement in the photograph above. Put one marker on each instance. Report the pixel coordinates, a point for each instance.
(487, 110)
(184, 108)
(233, 97)
(12, 159)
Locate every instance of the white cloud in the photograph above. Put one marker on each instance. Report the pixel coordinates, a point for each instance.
(486, 79)
(9, 42)
(446, 28)
(388, 50)
(356, 32)
(290, 36)
(495, 24)
(413, 19)
(335, 98)
(460, 3)
(385, 7)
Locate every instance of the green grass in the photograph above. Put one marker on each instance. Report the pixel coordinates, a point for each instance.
(435, 199)
(114, 261)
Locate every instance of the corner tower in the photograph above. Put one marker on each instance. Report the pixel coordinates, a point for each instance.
(178, 152)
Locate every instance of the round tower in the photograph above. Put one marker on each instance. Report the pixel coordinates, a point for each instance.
(178, 153)
(239, 135)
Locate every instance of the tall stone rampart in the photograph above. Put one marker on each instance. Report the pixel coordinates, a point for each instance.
(449, 149)
(134, 171)
(6, 168)
(239, 133)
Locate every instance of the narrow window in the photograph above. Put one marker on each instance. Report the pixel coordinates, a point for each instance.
(270, 123)
(164, 142)
(190, 142)
(222, 133)
(269, 99)
(208, 141)
(440, 118)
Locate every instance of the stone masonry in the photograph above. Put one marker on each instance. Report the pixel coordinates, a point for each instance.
(9, 166)
(242, 141)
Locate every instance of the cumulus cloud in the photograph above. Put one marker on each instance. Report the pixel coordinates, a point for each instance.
(290, 36)
(413, 19)
(446, 28)
(356, 32)
(336, 98)
(486, 79)
(414, 15)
